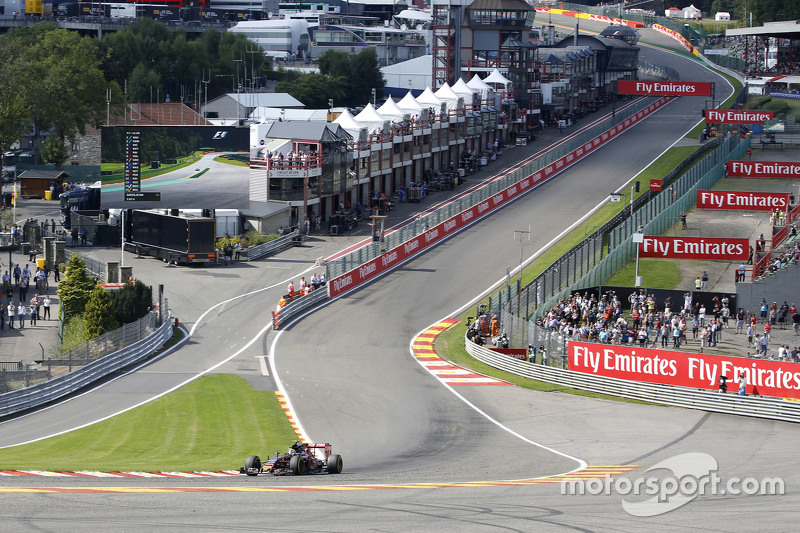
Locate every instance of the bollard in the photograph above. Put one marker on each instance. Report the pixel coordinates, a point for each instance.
(176, 322)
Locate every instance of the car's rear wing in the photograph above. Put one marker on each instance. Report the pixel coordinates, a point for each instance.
(320, 450)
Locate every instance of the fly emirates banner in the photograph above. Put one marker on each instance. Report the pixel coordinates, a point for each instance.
(746, 201)
(698, 371)
(695, 248)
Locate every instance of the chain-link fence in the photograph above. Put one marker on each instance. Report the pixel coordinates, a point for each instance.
(654, 218)
(585, 266)
(16, 375)
(94, 267)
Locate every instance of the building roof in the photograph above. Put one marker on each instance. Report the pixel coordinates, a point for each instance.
(307, 131)
(787, 29)
(265, 99)
(264, 209)
(620, 31)
(46, 174)
(500, 5)
(163, 114)
(239, 106)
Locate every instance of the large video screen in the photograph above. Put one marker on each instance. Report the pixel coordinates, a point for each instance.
(201, 167)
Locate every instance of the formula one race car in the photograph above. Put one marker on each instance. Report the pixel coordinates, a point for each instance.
(302, 458)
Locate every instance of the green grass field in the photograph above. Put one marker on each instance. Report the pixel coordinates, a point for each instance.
(213, 423)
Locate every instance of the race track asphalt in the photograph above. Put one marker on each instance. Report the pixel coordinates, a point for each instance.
(348, 371)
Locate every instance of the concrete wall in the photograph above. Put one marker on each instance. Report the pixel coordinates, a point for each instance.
(783, 286)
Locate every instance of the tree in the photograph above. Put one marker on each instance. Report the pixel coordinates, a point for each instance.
(15, 115)
(132, 302)
(314, 90)
(99, 314)
(54, 151)
(55, 84)
(75, 288)
(359, 73)
(70, 90)
(142, 84)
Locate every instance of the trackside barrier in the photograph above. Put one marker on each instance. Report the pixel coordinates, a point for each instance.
(455, 216)
(36, 396)
(732, 404)
(273, 246)
(297, 305)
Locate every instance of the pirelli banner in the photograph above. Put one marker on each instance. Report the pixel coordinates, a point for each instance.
(698, 371)
(731, 116)
(695, 248)
(664, 88)
(763, 169)
(744, 201)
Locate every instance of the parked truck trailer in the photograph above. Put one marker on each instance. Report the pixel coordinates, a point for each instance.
(175, 239)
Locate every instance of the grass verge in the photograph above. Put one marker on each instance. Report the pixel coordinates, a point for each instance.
(213, 423)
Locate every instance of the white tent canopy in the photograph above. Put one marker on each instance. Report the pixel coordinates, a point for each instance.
(351, 125)
(462, 89)
(390, 110)
(409, 104)
(496, 77)
(370, 118)
(477, 84)
(446, 94)
(428, 99)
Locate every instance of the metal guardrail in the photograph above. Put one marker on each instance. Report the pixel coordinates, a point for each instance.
(272, 246)
(753, 406)
(292, 309)
(15, 402)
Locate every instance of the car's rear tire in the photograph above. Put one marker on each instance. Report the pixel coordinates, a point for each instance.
(253, 461)
(335, 464)
(297, 465)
